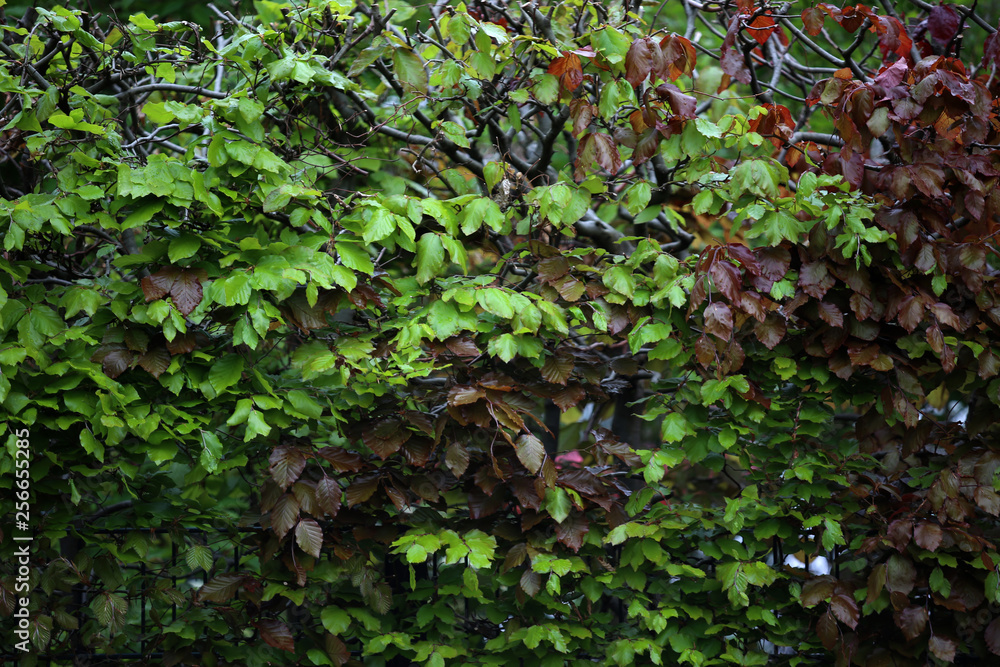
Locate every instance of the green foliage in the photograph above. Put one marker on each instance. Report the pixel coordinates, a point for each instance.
(484, 335)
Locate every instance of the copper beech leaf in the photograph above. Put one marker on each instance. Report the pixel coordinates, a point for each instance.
(912, 621)
(928, 535)
(276, 634)
(222, 588)
(530, 452)
(309, 537)
(943, 648)
(328, 494)
(284, 514)
(719, 320)
(287, 463)
(992, 636)
(845, 609)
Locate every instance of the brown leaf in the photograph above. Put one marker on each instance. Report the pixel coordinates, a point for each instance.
(900, 532)
(928, 535)
(770, 331)
(988, 500)
(276, 634)
(911, 621)
(992, 636)
(719, 320)
(182, 343)
(830, 314)
(826, 629)
(284, 514)
(845, 609)
(638, 61)
(773, 262)
(337, 650)
(815, 279)
(287, 463)
(943, 23)
(531, 582)
(816, 590)
(943, 648)
(221, 589)
(530, 452)
(328, 495)
(901, 575)
(155, 361)
(464, 394)
(572, 531)
(727, 279)
(557, 368)
(606, 152)
(457, 458)
(309, 537)
(876, 582)
(341, 459)
(568, 69)
(186, 292)
(158, 285)
(812, 20)
(361, 489)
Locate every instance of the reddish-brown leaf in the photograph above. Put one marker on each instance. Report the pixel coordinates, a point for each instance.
(341, 459)
(276, 634)
(158, 285)
(572, 531)
(638, 61)
(770, 331)
(992, 636)
(943, 23)
(221, 589)
(328, 495)
(845, 609)
(309, 537)
(361, 489)
(830, 314)
(900, 532)
(287, 463)
(337, 650)
(815, 279)
(911, 312)
(727, 279)
(678, 57)
(606, 152)
(773, 262)
(457, 458)
(530, 452)
(568, 69)
(186, 292)
(911, 621)
(816, 590)
(928, 535)
(761, 28)
(943, 648)
(557, 369)
(284, 514)
(812, 20)
(182, 343)
(826, 629)
(719, 320)
(901, 575)
(704, 350)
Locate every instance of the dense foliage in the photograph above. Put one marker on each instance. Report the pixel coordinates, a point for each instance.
(496, 334)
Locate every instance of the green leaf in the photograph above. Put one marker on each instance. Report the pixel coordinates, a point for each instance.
(557, 503)
(430, 257)
(226, 372)
(409, 68)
